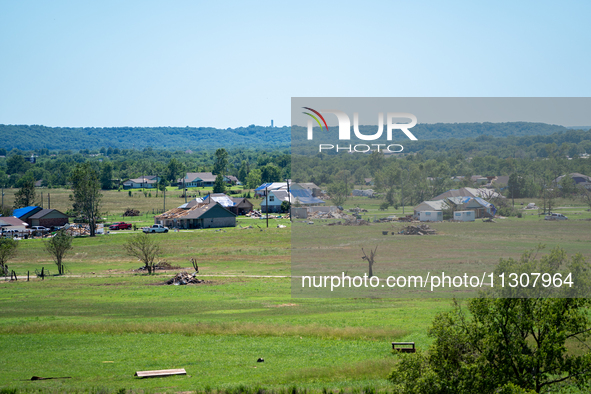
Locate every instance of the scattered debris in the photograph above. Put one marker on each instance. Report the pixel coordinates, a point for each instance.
(531, 205)
(281, 226)
(184, 278)
(407, 218)
(488, 220)
(422, 229)
(131, 212)
(260, 360)
(40, 378)
(356, 222)
(329, 215)
(160, 373)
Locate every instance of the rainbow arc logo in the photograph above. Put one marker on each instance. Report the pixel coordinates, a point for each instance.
(315, 118)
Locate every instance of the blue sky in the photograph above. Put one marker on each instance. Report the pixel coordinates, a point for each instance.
(231, 64)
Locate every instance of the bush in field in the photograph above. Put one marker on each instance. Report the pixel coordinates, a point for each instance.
(507, 345)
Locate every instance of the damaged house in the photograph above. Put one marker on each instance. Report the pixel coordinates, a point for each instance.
(196, 215)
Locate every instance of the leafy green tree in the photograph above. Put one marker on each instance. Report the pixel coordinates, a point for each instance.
(58, 247)
(86, 196)
(107, 176)
(221, 162)
(515, 185)
(219, 186)
(25, 196)
(145, 248)
(253, 180)
(568, 187)
(173, 170)
(584, 195)
(501, 344)
(243, 171)
(8, 248)
(285, 206)
(338, 191)
(16, 164)
(270, 173)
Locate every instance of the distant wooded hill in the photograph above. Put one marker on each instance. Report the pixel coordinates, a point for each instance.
(207, 138)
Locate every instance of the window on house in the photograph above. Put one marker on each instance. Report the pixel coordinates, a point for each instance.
(271, 198)
(428, 213)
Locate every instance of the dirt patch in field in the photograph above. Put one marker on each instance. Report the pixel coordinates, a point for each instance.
(281, 305)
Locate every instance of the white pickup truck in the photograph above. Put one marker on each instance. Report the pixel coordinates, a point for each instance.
(156, 228)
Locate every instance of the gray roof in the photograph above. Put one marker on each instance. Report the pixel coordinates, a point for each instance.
(44, 212)
(195, 176)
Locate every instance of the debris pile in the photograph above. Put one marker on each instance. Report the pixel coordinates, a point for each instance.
(356, 222)
(131, 212)
(184, 278)
(357, 210)
(488, 220)
(407, 218)
(392, 218)
(422, 229)
(329, 215)
(77, 230)
(254, 214)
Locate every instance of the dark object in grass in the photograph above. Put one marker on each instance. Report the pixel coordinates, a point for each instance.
(162, 265)
(131, 212)
(396, 346)
(261, 360)
(184, 278)
(40, 378)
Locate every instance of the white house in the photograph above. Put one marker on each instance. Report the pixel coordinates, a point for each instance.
(301, 197)
(143, 182)
(430, 216)
(464, 216)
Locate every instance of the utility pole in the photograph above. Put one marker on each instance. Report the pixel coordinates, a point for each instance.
(48, 201)
(164, 207)
(267, 204)
(3, 196)
(289, 199)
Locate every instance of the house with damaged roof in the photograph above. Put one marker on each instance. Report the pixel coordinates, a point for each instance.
(197, 214)
(433, 210)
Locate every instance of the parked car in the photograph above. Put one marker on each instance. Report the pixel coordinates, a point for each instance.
(120, 226)
(555, 216)
(156, 228)
(39, 230)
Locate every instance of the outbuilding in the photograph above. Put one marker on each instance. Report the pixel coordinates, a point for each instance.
(464, 216)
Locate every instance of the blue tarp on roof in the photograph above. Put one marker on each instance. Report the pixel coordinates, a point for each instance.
(484, 203)
(263, 186)
(301, 193)
(23, 211)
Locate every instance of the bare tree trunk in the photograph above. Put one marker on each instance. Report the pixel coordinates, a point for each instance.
(370, 259)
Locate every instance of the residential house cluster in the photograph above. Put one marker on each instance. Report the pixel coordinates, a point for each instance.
(467, 204)
(297, 194)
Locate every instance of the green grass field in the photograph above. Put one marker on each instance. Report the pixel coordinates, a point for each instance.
(105, 320)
